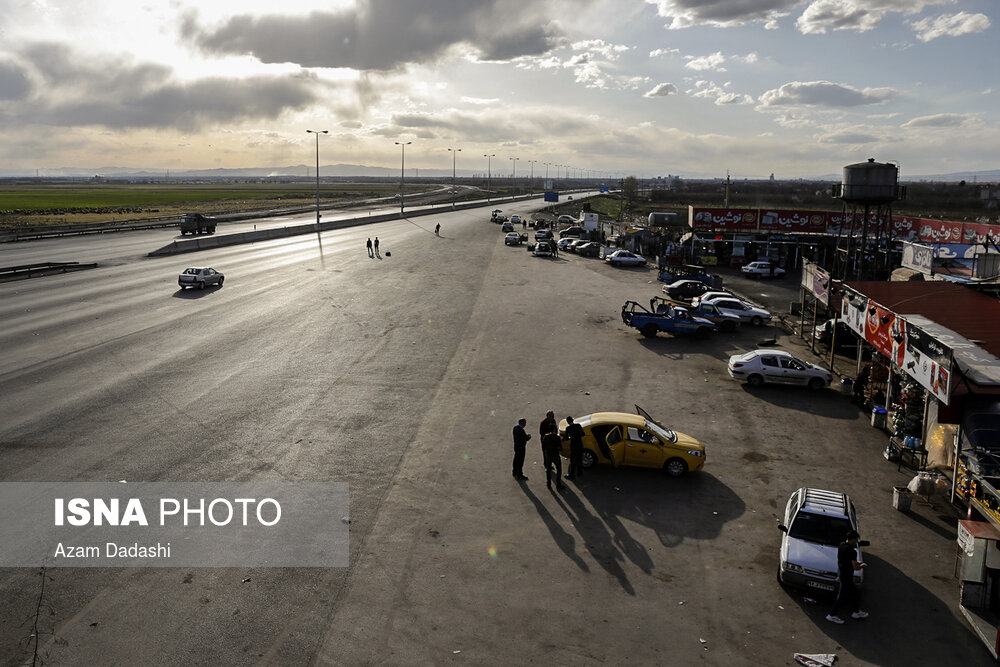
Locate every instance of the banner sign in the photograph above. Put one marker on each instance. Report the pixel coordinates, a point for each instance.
(918, 257)
(723, 218)
(793, 221)
(878, 325)
(853, 311)
(927, 361)
(821, 285)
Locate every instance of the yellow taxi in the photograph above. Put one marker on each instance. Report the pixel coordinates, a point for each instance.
(622, 438)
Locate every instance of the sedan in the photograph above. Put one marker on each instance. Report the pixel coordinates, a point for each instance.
(542, 234)
(512, 238)
(622, 438)
(685, 289)
(572, 231)
(777, 367)
(588, 249)
(562, 243)
(625, 258)
(200, 278)
(745, 311)
(542, 249)
(564, 219)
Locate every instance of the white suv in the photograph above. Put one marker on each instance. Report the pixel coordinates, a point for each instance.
(816, 522)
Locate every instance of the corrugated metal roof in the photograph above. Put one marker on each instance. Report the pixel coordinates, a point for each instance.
(970, 314)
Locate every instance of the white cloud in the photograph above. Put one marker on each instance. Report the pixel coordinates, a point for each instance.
(824, 15)
(718, 94)
(824, 94)
(661, 90)
(712, 61)
(722, 13)
(940, 120)
(953, 25)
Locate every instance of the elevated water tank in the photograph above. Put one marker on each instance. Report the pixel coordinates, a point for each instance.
(870, 182)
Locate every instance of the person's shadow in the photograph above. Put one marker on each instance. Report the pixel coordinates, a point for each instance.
(562, 538)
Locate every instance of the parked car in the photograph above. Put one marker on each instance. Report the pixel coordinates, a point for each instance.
(200, 278)
(707, 311)
(625, 258)
(677, 272)
(564, 219)
(507, 227)
(574, 244)
(576, 231)
(674, 321)
(588, 249)
(815, 523)
(542, 249)
(515, 219)
(513, 238)
(777, 367)
(846, 340)
(730, 305)
(685, 289)
(762, 270)
(562, 243)
(622, 438)
(543, 234)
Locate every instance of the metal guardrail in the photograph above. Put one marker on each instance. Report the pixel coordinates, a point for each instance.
(41, 269)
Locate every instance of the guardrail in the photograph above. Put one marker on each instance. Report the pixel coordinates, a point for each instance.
(41, 269)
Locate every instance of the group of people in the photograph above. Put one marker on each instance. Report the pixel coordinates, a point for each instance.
(548, 432)
(373, 248)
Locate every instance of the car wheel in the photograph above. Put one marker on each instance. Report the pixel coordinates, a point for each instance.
(201, 285)
(675, 467)
(221, 279)
(755, 380)
(588, 459)
(816, 384)
(649, 330)
(756, 320)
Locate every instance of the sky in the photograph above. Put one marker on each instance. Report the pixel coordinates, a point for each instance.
(604, 88)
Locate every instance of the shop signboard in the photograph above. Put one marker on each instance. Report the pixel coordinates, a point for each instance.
(723, 218)
(927, 361)
(904, 228)
(975, 233)
(793, 221)
(939, 231)
(878, 325)
(918, 257)
(821, 285)
(852, 311)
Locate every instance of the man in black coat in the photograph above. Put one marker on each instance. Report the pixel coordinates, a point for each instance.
(575, 434)
(521, 438)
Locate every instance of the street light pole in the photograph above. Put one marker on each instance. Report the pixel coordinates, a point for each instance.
(489, 189)
(402, 165)
(319, 240)
(513, 174)
(454, 151)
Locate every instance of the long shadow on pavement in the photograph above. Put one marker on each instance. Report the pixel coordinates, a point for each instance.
(562, 538)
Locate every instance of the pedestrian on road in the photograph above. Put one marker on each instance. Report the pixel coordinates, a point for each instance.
(548, 425)
(575, 434)
(521, 438)
(370, 253)
(376, 246)
(847, 592)
(551, 450)
(437, 230)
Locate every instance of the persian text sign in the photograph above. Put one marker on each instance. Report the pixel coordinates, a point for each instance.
(174, 524)
(722, 218)
(792, 221)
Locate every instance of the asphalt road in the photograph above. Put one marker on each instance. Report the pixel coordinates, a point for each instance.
(403, 376)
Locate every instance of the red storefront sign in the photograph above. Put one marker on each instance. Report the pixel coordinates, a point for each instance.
(939, 231)
(878, 328)
(744, 219)
(772, 220)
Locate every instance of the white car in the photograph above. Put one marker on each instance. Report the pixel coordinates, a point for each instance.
(708, 296)
(762, 270)
(542, 249)
(777, 367)
(562, 219)
(515, 219)
(624, 258)
(730, 305)
(814, 525)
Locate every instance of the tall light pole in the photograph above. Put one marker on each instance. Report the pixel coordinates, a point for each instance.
(402, 165)
(513, 174)
(546, 170)
(532, 163)
(454, 151)
(488, 175)
(319, 241)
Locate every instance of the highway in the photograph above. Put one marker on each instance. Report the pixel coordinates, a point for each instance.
(402, 376)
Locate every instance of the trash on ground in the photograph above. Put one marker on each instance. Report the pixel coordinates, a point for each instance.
(815, 659)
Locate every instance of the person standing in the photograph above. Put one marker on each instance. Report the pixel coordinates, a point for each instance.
(548, 425)
(370, 253)
(437, 230)
(575, 434)
(376, 246)
(521, 438)
(551, 452)
(847, 591)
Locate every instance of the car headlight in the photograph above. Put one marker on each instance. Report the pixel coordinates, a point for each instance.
(792, 567)
(695, 452)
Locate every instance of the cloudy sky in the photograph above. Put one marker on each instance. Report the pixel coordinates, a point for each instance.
(647, 87)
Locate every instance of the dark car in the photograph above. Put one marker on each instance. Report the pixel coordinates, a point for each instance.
(572, 231)
(686, 289)
(589, 249)
(846, 340)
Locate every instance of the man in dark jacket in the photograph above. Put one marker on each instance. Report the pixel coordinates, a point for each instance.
(575, 434)
(551, 450)
(847, 591)
(548, 425)
(521, 438)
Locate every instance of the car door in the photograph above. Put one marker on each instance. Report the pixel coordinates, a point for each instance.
(732, 307)
(771, 369)
(614, 446)
(793, 371)
(642, 448)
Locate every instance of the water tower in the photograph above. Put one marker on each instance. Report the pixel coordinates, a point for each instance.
(865, 238)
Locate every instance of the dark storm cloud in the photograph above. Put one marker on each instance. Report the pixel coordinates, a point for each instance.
(117, 93)
(386, 34)
(14, 84)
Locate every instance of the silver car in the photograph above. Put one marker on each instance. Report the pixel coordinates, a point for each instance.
(777, 367)
(200, 278)
(747, 312)
(815, 523)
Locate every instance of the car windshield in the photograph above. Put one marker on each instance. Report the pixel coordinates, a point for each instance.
(819, 528)
(665, 434)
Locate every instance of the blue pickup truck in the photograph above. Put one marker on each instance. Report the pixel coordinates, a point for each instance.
(723, 321)
(675, 321)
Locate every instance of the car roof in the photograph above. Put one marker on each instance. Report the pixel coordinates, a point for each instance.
(820, 501)
(777, 353)
(626, 418)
